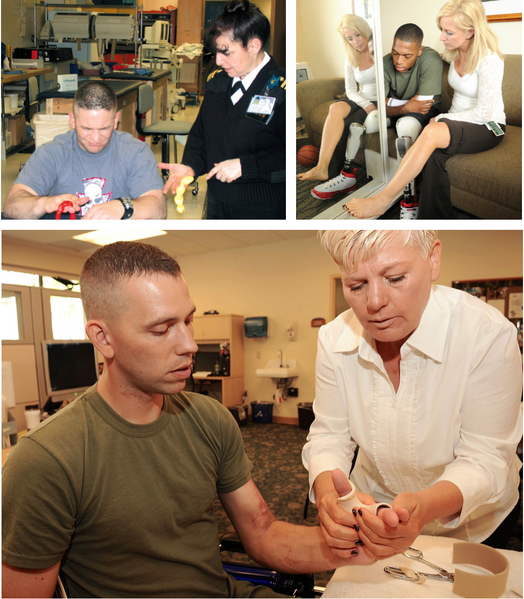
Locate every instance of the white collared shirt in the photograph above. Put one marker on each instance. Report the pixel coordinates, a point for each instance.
(456, 415)
(250, 77)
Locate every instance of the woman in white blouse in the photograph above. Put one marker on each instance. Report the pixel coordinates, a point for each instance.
(426, 381)
(475, 122)
(360, 99)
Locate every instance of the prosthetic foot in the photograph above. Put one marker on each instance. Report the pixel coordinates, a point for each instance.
(408, 129)
(347, 180)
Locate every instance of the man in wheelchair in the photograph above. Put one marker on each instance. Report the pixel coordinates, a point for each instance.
(115, 492)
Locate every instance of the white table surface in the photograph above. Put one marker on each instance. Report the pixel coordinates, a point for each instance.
(372, 581)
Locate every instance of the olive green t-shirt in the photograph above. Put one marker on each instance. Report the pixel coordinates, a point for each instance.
(424, 78)
(127, 508)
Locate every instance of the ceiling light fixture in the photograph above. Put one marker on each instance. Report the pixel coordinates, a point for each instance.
(107, 237)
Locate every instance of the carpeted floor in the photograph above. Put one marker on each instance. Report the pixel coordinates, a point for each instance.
(308, 207)
(275, 450)
(276, 453)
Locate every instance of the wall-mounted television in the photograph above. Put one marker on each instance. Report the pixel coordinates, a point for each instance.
(70, 366)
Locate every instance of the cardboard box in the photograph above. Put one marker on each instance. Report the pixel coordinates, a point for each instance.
(67, 83)
(48, 126)
(16, 126)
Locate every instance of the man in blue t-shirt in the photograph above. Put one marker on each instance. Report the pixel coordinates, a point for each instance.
(100, 173)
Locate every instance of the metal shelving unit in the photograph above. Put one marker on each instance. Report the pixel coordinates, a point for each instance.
(103, 8)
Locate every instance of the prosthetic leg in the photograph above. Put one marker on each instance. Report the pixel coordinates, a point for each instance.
(408, 129)
(346, 181)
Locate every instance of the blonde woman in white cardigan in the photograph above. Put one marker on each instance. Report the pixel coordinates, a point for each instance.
(358, 103)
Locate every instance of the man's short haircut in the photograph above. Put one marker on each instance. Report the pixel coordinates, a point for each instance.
(95, 95)
(348, 247)
(113, 264)
(242, 21)
(410, 33)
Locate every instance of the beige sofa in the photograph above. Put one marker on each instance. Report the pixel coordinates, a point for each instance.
(487, 185)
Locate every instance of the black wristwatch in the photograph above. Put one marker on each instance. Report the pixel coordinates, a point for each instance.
(128, 207)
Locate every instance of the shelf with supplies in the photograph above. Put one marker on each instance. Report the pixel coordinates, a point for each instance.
(220, 339)
(75, 27)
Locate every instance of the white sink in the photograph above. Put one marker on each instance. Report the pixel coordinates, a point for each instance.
(273, 370)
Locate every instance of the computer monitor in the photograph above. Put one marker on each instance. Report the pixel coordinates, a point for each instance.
(206, 358)
(158, 33)
(70, 366)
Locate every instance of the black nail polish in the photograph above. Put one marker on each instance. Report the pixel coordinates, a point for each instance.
(356, 527)
(354, 552)
(354, 512)
(359, 542)
(360, 512)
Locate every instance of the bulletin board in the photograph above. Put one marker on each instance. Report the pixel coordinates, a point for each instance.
(503, 294)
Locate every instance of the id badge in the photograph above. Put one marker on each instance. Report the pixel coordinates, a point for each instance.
(261, 108)
(495, 128)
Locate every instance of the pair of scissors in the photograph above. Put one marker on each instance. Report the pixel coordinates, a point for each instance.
(419, 577)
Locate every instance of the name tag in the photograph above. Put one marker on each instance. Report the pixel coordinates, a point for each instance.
(261, 108)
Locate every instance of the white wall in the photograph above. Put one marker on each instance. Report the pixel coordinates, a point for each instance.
(322, 46)
(13, 34)
(290, 280)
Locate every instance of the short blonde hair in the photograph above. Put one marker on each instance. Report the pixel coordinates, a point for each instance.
(359, 25)
(348, 247)
(470, 14)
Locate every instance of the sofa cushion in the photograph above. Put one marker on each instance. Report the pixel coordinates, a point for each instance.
(494, 175)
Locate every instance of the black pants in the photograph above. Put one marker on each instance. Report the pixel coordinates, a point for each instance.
(435, 190)
(501, 536)
(217, 210)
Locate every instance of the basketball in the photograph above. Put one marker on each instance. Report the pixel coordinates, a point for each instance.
(308, 156)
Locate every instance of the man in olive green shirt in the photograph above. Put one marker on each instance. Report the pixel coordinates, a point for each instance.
(115, 492)
(412, 70)
(413, 82)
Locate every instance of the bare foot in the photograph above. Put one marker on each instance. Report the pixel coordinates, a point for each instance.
(317, 172)
(365, 208)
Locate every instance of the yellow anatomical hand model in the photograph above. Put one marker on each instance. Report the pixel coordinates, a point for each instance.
(179, 196)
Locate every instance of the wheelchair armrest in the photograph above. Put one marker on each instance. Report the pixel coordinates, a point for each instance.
(302, 585)
(229, 541)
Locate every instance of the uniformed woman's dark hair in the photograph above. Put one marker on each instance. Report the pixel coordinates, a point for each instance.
(243, 21)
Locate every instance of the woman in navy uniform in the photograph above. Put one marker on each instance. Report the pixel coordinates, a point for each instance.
(238, 138)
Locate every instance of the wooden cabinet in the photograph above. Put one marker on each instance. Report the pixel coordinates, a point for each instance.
(190, 30)
(214, 329)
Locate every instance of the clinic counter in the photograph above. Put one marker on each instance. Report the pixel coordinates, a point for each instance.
(152, 75)
(372, 581)
(25, 75)
(157, 79)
